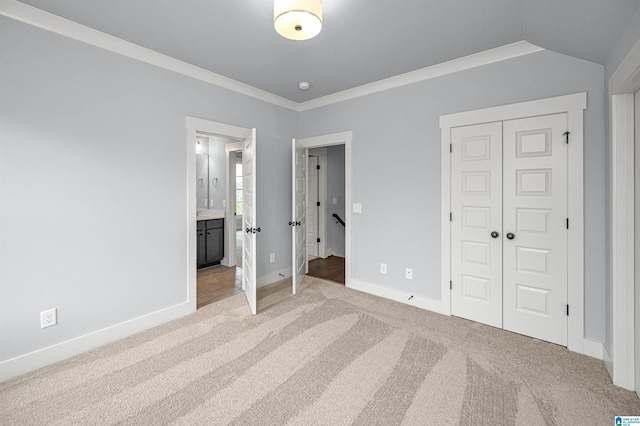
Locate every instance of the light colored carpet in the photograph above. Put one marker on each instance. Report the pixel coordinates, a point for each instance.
(329, 355)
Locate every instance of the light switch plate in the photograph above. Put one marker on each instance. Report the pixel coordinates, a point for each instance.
(335, 200)
(357, 208)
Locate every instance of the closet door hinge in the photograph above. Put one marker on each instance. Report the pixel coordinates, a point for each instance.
(450, 147)
(318, 167)
(567, 310)
(450, 285)
(318, 240)
(567, 223)
(318, 204)
(450, 216)
(566, 135)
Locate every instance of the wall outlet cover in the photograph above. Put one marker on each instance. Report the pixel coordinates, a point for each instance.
(48, 318)
(383, 268)
(408, 273)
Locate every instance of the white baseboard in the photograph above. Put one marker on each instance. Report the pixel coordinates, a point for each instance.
(398, 296)
(608, 361)
(42, 357)
(593, 349)
(273, 277)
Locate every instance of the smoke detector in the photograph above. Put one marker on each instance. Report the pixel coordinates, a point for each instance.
(304, 85)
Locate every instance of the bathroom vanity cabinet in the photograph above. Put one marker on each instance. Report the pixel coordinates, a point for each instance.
(210, 242)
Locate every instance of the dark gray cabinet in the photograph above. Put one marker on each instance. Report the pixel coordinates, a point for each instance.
(210, 242)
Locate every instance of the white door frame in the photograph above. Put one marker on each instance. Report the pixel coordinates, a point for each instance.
(342, 138)
(197, 125)
(622, 85)
(574, 106)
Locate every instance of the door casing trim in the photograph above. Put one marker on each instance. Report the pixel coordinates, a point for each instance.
(193, 126)
(574, 106)
(342, 138)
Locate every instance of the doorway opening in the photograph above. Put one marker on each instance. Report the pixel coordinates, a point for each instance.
(326, 212)
(211, 222)
(218, 275)
(321, 231)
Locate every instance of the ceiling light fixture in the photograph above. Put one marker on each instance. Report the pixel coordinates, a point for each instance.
(303, 85)
(297, 19)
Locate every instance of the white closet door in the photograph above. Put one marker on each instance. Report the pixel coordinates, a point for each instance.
(535, 227)
(476, 204)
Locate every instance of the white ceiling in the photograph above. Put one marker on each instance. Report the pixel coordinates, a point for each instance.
(362, 41)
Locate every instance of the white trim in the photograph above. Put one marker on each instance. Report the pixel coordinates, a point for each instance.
(555, 105)
(486, 57)
(346, 139)
(194, 126)
(626, 78)
(274, 277)
(42, 357)
(622, 240)
(47, 21)
(398, 296)
(620, 358)
(50, 22)
(573, 105)
(593, 349)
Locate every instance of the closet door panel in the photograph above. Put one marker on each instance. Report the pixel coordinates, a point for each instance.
(534, 215)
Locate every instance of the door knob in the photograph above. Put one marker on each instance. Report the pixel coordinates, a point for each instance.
(248, 230)
(292, 224)
(494, 234)
(510, 236)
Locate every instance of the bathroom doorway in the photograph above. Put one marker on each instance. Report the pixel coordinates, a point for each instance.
(244, 278)
(219, 275)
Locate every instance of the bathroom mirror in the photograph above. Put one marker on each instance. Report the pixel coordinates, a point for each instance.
(202, 180)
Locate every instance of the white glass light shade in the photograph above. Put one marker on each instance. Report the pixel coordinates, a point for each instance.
(297, 19)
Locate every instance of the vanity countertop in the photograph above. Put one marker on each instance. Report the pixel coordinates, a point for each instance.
(204, 214)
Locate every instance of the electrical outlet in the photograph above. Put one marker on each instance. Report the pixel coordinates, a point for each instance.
(272, 257)
(48, 318)
(334, 201)
(383, 268)
(408, 273)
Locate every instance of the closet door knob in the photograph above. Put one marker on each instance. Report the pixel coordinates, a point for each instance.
(511, 236)
(494, 234)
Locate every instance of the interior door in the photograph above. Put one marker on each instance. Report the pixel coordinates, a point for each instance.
(535, 226)
(313, 209)
(476, 223)
(298, 213)
(250, 227)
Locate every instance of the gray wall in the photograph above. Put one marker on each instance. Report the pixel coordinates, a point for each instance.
(74, 118)
(93, 184)
(396, 153)
(335, 188)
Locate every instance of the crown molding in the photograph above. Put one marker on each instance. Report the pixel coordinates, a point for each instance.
(56, 24)
(39, 18)
(486, 57)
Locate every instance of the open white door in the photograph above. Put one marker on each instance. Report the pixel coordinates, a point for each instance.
(299, 208)
(249, 219)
